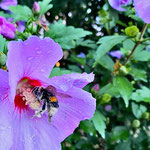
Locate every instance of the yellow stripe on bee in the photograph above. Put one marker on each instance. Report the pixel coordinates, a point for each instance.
(53, 99)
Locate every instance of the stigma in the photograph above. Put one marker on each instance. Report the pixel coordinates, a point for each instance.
(25, 98)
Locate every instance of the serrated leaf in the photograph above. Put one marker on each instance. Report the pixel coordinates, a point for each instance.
(141, 95)
(109, 89)
(107, 43)
(107, 62)
(65, 35)
(2, 43)
(20, 12)
(45, 6)
(138, 74)
(99, 123)
(138, 110)
(124, 87)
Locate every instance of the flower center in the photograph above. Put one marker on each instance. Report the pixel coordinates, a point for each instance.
(24, 95)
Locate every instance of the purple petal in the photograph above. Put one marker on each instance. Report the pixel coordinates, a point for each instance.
(34, 58)
(80, 106)
(5, 3)
(34, 133)
(67, 81)
(117, 4)
(116, 54)
(7, 29)
(142, 8)
(4, 82)
(6, 134)
(21, 26)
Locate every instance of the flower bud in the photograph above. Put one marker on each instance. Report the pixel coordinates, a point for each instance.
(36, 8)
(2, 58)
(124, 70)
(96, 87)
(105, 98)
(132, 31)
(146, 115)
(136, 123)
(108, 108)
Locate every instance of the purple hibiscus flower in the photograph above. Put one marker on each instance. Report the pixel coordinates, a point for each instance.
(117, 4)
(29, 64)
(142, 8)
(116, 54)
(5, 3)
(7, 29)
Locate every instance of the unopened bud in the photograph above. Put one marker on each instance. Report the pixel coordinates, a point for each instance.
(132, 31)
(124, 70)
(96, 87)
(3, 58)
(36, 8)
(136, 123)
(146, 115)
(106, 98)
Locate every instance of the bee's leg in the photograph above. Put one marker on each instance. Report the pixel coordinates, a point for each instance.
(49, 112)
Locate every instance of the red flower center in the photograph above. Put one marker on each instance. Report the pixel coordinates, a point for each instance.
(24, 96)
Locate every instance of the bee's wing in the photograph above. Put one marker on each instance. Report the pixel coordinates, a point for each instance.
(63, 95)
(51, 89)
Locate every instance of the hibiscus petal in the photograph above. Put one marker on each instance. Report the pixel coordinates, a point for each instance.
(79, 106)
(117, 4)
(6, 134)
(3, 83)
(5, 3)
(34, 133)
(66, 81)
(33, 58)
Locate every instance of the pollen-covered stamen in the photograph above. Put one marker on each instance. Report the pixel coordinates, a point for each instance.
(24, 95)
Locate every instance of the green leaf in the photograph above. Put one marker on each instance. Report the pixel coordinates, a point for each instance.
(142, 56)
(141, 95)
(76, 59)
(107, 43)
(2, 43)
(123, 146)
(65, 35)
(19, 12)
(138, 74)
(99, 123)
(45, 6)
(87, 43)
(119, 132)
(107, 62)
(124, 87)
(109, 89)
(59, 72)
(6, 15)
(138, 110)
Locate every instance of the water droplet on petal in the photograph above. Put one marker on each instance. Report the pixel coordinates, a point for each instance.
(39, 52)
(30, 58)
(48, 52)
(42, 70)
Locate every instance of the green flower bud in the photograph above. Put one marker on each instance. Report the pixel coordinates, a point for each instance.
(3, 58)
(131, 31)
(107, 120)
(136, 123)
(146, 115)
(106, 98)
(124, 70)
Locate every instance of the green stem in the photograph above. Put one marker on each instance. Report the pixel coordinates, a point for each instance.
(136, 44)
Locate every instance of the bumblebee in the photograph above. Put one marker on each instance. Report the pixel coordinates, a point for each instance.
(46, 96)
